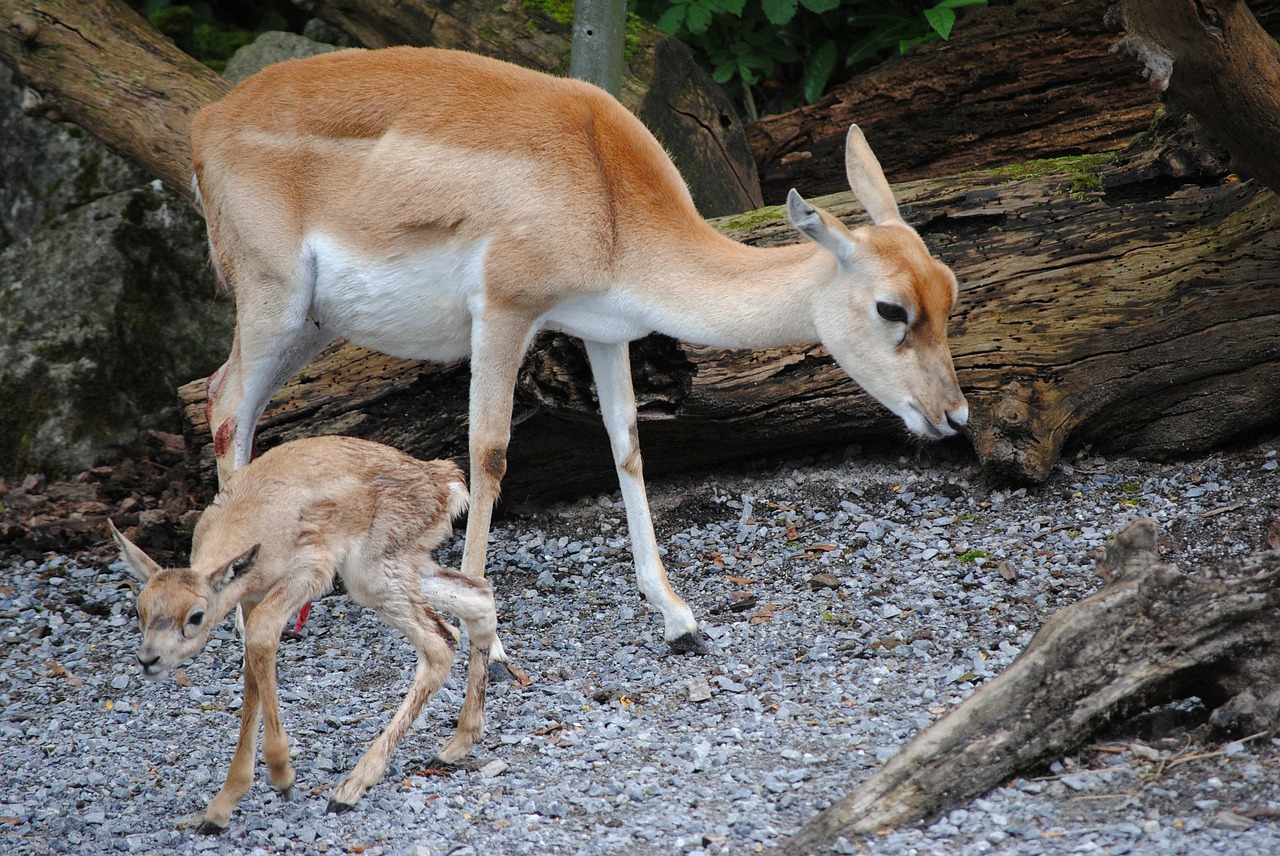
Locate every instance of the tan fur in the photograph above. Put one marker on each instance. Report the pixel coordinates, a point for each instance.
(526, 201)
(273, 539)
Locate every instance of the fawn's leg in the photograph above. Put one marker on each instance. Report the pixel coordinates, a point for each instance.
(240, 773)
(433, 639)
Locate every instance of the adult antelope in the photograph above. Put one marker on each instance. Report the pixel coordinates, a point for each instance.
(275, 537)
(436, 205)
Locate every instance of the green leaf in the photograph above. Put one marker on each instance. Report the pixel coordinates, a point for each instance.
(672, 20)
(941, 19)
(724, 72)
(820, 6)
(779, 12)
(817, 71)
(698, 18)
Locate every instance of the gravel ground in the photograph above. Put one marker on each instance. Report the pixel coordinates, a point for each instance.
(934, 581)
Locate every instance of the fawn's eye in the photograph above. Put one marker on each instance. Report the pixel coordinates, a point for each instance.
(195, 619)
(895, 313)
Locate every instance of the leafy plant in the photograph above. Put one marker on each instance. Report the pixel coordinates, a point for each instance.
(213, 30)
(788, 51)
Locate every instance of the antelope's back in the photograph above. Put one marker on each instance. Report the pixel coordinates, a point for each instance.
(419, 141)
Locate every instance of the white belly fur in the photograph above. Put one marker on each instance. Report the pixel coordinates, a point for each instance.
(414, 305)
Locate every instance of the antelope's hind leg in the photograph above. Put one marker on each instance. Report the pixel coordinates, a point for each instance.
(434, 639)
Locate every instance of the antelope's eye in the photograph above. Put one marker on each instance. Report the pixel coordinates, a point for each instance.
(893, 312)
(195, 619)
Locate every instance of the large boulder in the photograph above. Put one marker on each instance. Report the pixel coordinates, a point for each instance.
(104, 311)
(107, 302)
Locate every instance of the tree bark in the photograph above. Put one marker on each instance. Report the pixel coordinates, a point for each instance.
(1215, 61)
(98, 64)
(1013, 83)
(1154, 634)
(1030, 80)
(662, 84)
(1129, 312)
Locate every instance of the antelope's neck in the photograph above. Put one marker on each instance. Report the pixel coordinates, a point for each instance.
(710, 290)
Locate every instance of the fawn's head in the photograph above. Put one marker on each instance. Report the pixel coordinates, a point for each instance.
(179, 607)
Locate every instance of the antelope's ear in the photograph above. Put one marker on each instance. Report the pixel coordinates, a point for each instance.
(821, 228)
(140, 565)
(867, 180)
(236, 568)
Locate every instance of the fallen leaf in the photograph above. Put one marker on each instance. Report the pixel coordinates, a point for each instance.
(555, 726)
(741, 581)
(714, 558)
(792, 534)
(521, 678)
(180, 678)
(763, 615)
(741, 601)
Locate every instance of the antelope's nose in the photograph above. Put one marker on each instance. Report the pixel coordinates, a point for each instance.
(958, 418)
(148, 665)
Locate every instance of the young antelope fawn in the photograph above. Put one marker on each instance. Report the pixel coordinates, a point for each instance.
(273, 539)
(437, 205)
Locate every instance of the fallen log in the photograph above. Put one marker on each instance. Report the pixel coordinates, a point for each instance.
(1128, 312)
(1015, 82)
(1153, 634)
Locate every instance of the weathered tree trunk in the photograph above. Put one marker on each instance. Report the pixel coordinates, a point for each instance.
(661, 82)
(1021, 81)
(1154, 634)
(1013, 83)
(1214, 60)
(1138, 316)
(96, 63)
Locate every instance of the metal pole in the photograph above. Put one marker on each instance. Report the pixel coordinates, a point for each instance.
(599, 36)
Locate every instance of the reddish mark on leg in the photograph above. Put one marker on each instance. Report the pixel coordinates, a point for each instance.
(303, 614)
(222, 438)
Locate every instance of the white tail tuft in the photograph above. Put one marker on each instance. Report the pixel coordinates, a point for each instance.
(459, 499)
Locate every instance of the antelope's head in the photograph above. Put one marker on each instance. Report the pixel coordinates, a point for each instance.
(178, 607)
(883, 315)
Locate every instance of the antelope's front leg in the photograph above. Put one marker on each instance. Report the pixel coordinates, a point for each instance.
(240, 773)
(611, 367)
(498, 341)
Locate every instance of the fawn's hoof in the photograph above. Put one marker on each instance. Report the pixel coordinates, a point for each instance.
(692, 642)
(208, 827)
(338, 807)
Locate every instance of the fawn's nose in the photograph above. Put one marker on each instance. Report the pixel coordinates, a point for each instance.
(148, 665)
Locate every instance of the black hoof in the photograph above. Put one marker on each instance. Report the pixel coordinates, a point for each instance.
(208, 827)
(693, 642)
(337, 807)
(286, 794)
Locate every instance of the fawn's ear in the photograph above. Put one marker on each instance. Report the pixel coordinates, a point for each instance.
(236, 568)
(140, 565)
